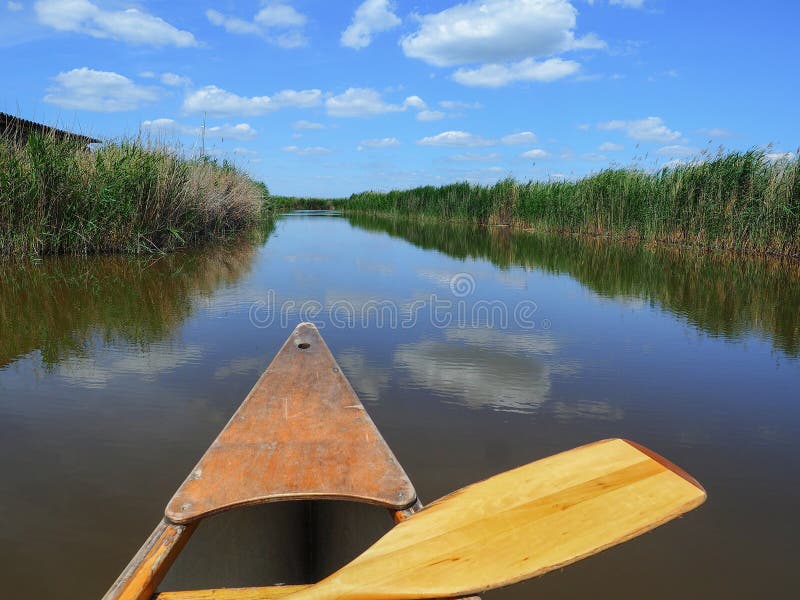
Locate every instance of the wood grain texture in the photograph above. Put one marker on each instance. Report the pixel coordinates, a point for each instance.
(300, 434)
(253, 593)
(149, 566)
(518, 525)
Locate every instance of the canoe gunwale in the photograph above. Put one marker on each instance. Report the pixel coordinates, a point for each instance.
(303, 355)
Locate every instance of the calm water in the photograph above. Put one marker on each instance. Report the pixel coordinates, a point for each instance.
(116, 374)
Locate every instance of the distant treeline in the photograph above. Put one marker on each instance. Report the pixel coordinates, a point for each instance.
(286, 203)
(57, 197)
(741, 201)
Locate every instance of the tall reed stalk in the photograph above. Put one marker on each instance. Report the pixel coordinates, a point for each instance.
(741, 201)
(56, 197)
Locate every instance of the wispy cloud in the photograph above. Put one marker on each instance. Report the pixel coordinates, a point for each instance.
(456, 138)
(628, 3)
(278, 23)
(240, 131)
(536, 153)
(474, 157)
(459, 105)
(522, 137)
(308, 151)
(677, 151)
(388, 142)
(430, 115)
(175, 80)
(499, 75)
(131, 25)
(306, 125)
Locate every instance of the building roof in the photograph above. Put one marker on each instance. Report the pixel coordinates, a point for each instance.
(9, 124)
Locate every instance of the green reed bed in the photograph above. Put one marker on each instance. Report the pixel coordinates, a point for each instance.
(56, 197)
(740, 201)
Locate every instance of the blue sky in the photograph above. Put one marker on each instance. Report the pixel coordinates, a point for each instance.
(329, 98)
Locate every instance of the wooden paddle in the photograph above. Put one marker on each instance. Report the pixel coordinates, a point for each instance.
(512, 527)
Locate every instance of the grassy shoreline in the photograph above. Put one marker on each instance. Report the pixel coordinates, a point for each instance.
(738, 201)
(57, 198)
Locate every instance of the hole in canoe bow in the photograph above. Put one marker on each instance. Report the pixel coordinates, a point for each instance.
(304, 346)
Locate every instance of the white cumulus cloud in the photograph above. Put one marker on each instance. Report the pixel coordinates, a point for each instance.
(366, 102)
(498, 75)
(610, 147)
(371, 17)
(98, 91)
(215, 100)
(130, 25)
(494, 31)
(456, 138)
(650, 129)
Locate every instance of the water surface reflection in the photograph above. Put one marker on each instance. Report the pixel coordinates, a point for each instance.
(722, 295)
(115, 375)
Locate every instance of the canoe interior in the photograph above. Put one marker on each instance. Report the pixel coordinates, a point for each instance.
(284, 542)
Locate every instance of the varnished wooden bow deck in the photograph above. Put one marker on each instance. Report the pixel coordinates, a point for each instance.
(302, 434)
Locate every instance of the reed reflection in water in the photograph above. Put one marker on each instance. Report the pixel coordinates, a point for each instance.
(723, 295)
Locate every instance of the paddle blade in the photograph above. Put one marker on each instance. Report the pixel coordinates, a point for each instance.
(519, 524)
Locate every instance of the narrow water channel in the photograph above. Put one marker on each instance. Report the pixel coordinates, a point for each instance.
(474, 351)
